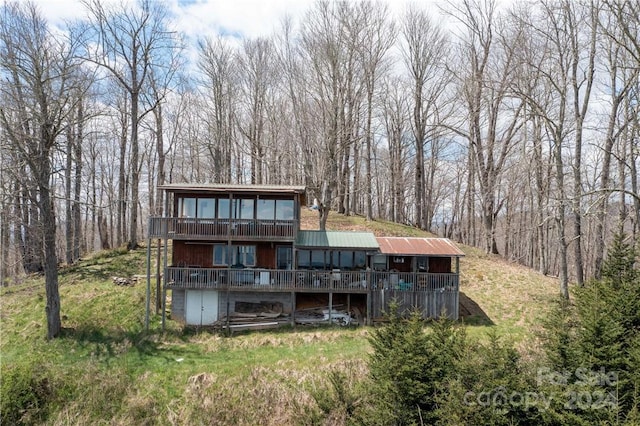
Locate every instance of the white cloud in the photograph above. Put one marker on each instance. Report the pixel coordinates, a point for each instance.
(240, 18)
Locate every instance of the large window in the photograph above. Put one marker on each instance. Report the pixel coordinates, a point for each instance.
(197, 207)
(348, 259)
(266, 209)
(275, 209)
(240, 255)
(187, 207)
(207, 208)
(243, 208)
(224, 208)
(313, 259)
(284, 209)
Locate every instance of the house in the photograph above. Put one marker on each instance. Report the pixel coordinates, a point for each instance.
(230, 250)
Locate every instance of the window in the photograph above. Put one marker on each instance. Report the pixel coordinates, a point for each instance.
(379, 262)
(313, 259)
(244, 255)
(266, 209)
(318, 260)
(243, 208)
(284, 209)
(220, 254)
(187, 207)
(223, 208)
(422, 264)
(345, 260)
(207, 208)
(304, 259)
(284, 257)
(240, 255)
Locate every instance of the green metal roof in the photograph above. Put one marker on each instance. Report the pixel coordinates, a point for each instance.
(337, 240)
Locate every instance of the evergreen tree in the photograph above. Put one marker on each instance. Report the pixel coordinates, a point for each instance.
(602, 337)
(409, 367)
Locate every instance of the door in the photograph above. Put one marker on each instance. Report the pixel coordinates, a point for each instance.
(284, 257)
(201, 307)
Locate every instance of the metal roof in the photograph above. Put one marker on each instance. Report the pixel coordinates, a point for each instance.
(337, 240)
(227, 187)
(419, 246)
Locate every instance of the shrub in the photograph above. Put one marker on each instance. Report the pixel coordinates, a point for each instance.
(25, 393)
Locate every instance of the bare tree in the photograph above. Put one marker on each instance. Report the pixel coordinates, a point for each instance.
(424, 52)
(329, 56)
(494, 115)
(39, 101)
(258, 80)
(379, 35)
(396, 123)
(218, 68)
(131, 41)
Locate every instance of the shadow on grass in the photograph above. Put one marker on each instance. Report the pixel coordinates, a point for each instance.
(108, 344)
(471, 313)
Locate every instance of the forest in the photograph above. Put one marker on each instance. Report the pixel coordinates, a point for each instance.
(510, 127)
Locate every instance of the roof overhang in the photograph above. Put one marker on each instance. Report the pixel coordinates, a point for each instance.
(216, 187)
(406, 246)
(223, 188)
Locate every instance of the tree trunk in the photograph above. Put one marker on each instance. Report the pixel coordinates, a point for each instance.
(77, 154)
(135, 171)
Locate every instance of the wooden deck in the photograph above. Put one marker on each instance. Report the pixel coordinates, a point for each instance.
(276, 280)
(236, 229)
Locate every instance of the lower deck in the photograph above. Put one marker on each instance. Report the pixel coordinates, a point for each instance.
(210, 296)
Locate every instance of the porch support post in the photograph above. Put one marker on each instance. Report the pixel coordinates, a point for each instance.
(164, 282)
(293, 308)
(228, 301)
(148, 294)
(330, 307)
(164, 306)
(349, 304)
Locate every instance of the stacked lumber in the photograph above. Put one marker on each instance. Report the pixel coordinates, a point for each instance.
(323, 314)
(254, 316)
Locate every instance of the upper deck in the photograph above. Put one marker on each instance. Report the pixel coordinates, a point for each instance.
(179, 228)
(224, 211)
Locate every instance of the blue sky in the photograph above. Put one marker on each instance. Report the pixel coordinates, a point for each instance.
(197, 18)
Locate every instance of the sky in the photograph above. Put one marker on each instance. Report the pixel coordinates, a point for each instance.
(197, 18)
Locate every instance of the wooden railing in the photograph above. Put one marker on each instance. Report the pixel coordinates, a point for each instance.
(238, 229)
(307, 280)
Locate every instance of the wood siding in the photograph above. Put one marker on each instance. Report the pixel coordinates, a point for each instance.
(432, 303)
(440, 265)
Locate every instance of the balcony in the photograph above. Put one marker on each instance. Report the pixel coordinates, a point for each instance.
(236, 229)
(277, 280)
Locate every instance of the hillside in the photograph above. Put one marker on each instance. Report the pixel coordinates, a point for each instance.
(105, 369)
(500, 293)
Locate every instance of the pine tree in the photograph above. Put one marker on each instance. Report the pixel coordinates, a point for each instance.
(618, 267)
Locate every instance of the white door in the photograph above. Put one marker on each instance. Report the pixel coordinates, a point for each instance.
(201, 307)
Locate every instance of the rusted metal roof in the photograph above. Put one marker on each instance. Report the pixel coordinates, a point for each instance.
(418, 246)
(227, 187)
(337, 240)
